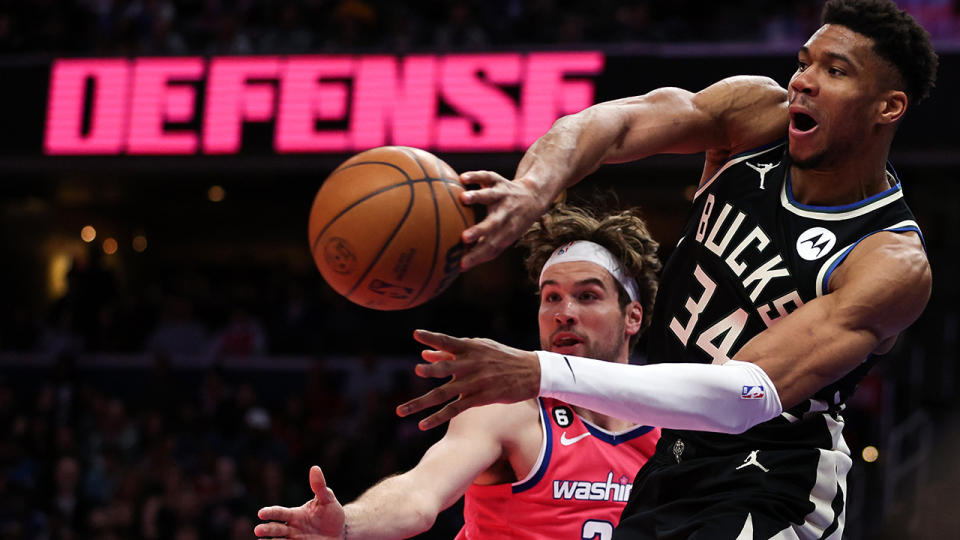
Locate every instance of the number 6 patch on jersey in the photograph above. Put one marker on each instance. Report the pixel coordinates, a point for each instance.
(563, 416)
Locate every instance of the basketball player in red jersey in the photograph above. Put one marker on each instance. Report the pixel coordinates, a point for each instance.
(537, 469)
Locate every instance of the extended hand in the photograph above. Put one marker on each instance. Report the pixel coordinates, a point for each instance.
(512, 206)
(321, 518)
(483, 372)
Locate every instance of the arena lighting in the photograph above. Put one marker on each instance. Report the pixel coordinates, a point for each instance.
(870, 454)
(110, 246)
(57, 269)
(88, 233)
(139, 243)
(317, 103)
(216, 193)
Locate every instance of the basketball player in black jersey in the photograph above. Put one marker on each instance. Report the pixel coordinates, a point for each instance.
(800, 263)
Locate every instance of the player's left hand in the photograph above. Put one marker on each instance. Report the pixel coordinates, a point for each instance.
(321, 518)
(482, 370)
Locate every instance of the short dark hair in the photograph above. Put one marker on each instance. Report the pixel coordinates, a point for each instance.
(897, 38)
(625, 234)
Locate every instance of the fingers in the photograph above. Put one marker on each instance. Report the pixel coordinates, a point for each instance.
(275, 513)
(435, 370)
(481, 196)
(439, 341)
(431, 399)
(478, 253)
(318, 484)
(481, 178)
(450, 411)
(271, 530)
(436, 356)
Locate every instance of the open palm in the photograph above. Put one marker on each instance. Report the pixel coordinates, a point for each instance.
(320, 518)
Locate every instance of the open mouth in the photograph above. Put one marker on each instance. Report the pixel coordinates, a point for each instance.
(803, 122)
(566, 341)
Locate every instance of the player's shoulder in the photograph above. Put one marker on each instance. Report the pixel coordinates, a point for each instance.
(900, 255)
(497, 418)
(887, 275)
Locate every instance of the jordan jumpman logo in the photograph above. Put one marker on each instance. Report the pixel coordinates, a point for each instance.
(752, 460)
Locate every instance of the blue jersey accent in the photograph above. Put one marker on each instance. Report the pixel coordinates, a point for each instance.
(542, 469)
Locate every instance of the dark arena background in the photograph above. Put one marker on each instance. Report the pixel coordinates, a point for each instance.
(171, 359)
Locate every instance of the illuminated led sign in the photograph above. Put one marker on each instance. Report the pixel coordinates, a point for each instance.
(192, 105)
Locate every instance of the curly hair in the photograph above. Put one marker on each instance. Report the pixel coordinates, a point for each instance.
(897, 38)
(624, 233)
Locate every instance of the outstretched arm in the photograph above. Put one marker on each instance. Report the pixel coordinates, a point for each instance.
(879, 291)
(404, 505)
(727, 117)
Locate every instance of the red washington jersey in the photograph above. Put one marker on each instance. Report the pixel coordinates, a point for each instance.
(576, 490)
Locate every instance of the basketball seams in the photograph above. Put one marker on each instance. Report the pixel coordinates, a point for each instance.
(384, 189)
(340, 214)
(416, 160)
(453, 198)
(368, 196)
(436, 241)
(411, 226)
(386, 243)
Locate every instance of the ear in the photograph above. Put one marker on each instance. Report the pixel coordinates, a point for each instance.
(892, 107)
(633, 318)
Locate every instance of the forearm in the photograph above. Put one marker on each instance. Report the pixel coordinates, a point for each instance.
(665, 120)
(573, 148)
(393, 508)
(728, 398)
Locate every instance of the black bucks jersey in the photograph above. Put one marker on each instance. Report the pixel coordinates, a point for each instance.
(750, 254)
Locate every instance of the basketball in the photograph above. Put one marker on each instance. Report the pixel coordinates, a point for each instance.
(385, 227)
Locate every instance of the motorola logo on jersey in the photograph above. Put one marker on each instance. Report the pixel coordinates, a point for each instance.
(583, 490)
(815, 242)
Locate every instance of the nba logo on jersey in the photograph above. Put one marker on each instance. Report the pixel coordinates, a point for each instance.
(751, 392)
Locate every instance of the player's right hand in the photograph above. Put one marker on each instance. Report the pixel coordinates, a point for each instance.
(481, 372)
(512, 206)
(320, 518)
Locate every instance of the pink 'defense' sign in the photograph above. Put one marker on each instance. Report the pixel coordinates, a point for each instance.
(188, 105)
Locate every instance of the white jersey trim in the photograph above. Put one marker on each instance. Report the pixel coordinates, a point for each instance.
(543, 460)
(895, 193)
(824, 274)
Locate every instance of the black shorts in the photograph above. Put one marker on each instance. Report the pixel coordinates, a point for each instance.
(772, 493)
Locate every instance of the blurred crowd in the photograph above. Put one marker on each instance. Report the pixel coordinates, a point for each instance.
(209, 311)
(186, 454)
(173, 27)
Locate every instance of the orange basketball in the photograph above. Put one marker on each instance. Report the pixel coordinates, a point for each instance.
(385, 227)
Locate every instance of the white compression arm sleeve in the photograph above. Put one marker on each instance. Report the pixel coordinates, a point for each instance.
(728, 398)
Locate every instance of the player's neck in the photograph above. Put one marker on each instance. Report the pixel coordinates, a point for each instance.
(847, 184)
(608, 423)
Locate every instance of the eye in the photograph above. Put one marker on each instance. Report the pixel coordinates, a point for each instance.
(588, 296)
(550, 297)
(836, 72)
(801, 66)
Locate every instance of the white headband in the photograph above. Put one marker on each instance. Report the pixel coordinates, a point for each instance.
(583, 250)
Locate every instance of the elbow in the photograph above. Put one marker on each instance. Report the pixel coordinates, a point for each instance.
(423, 514)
